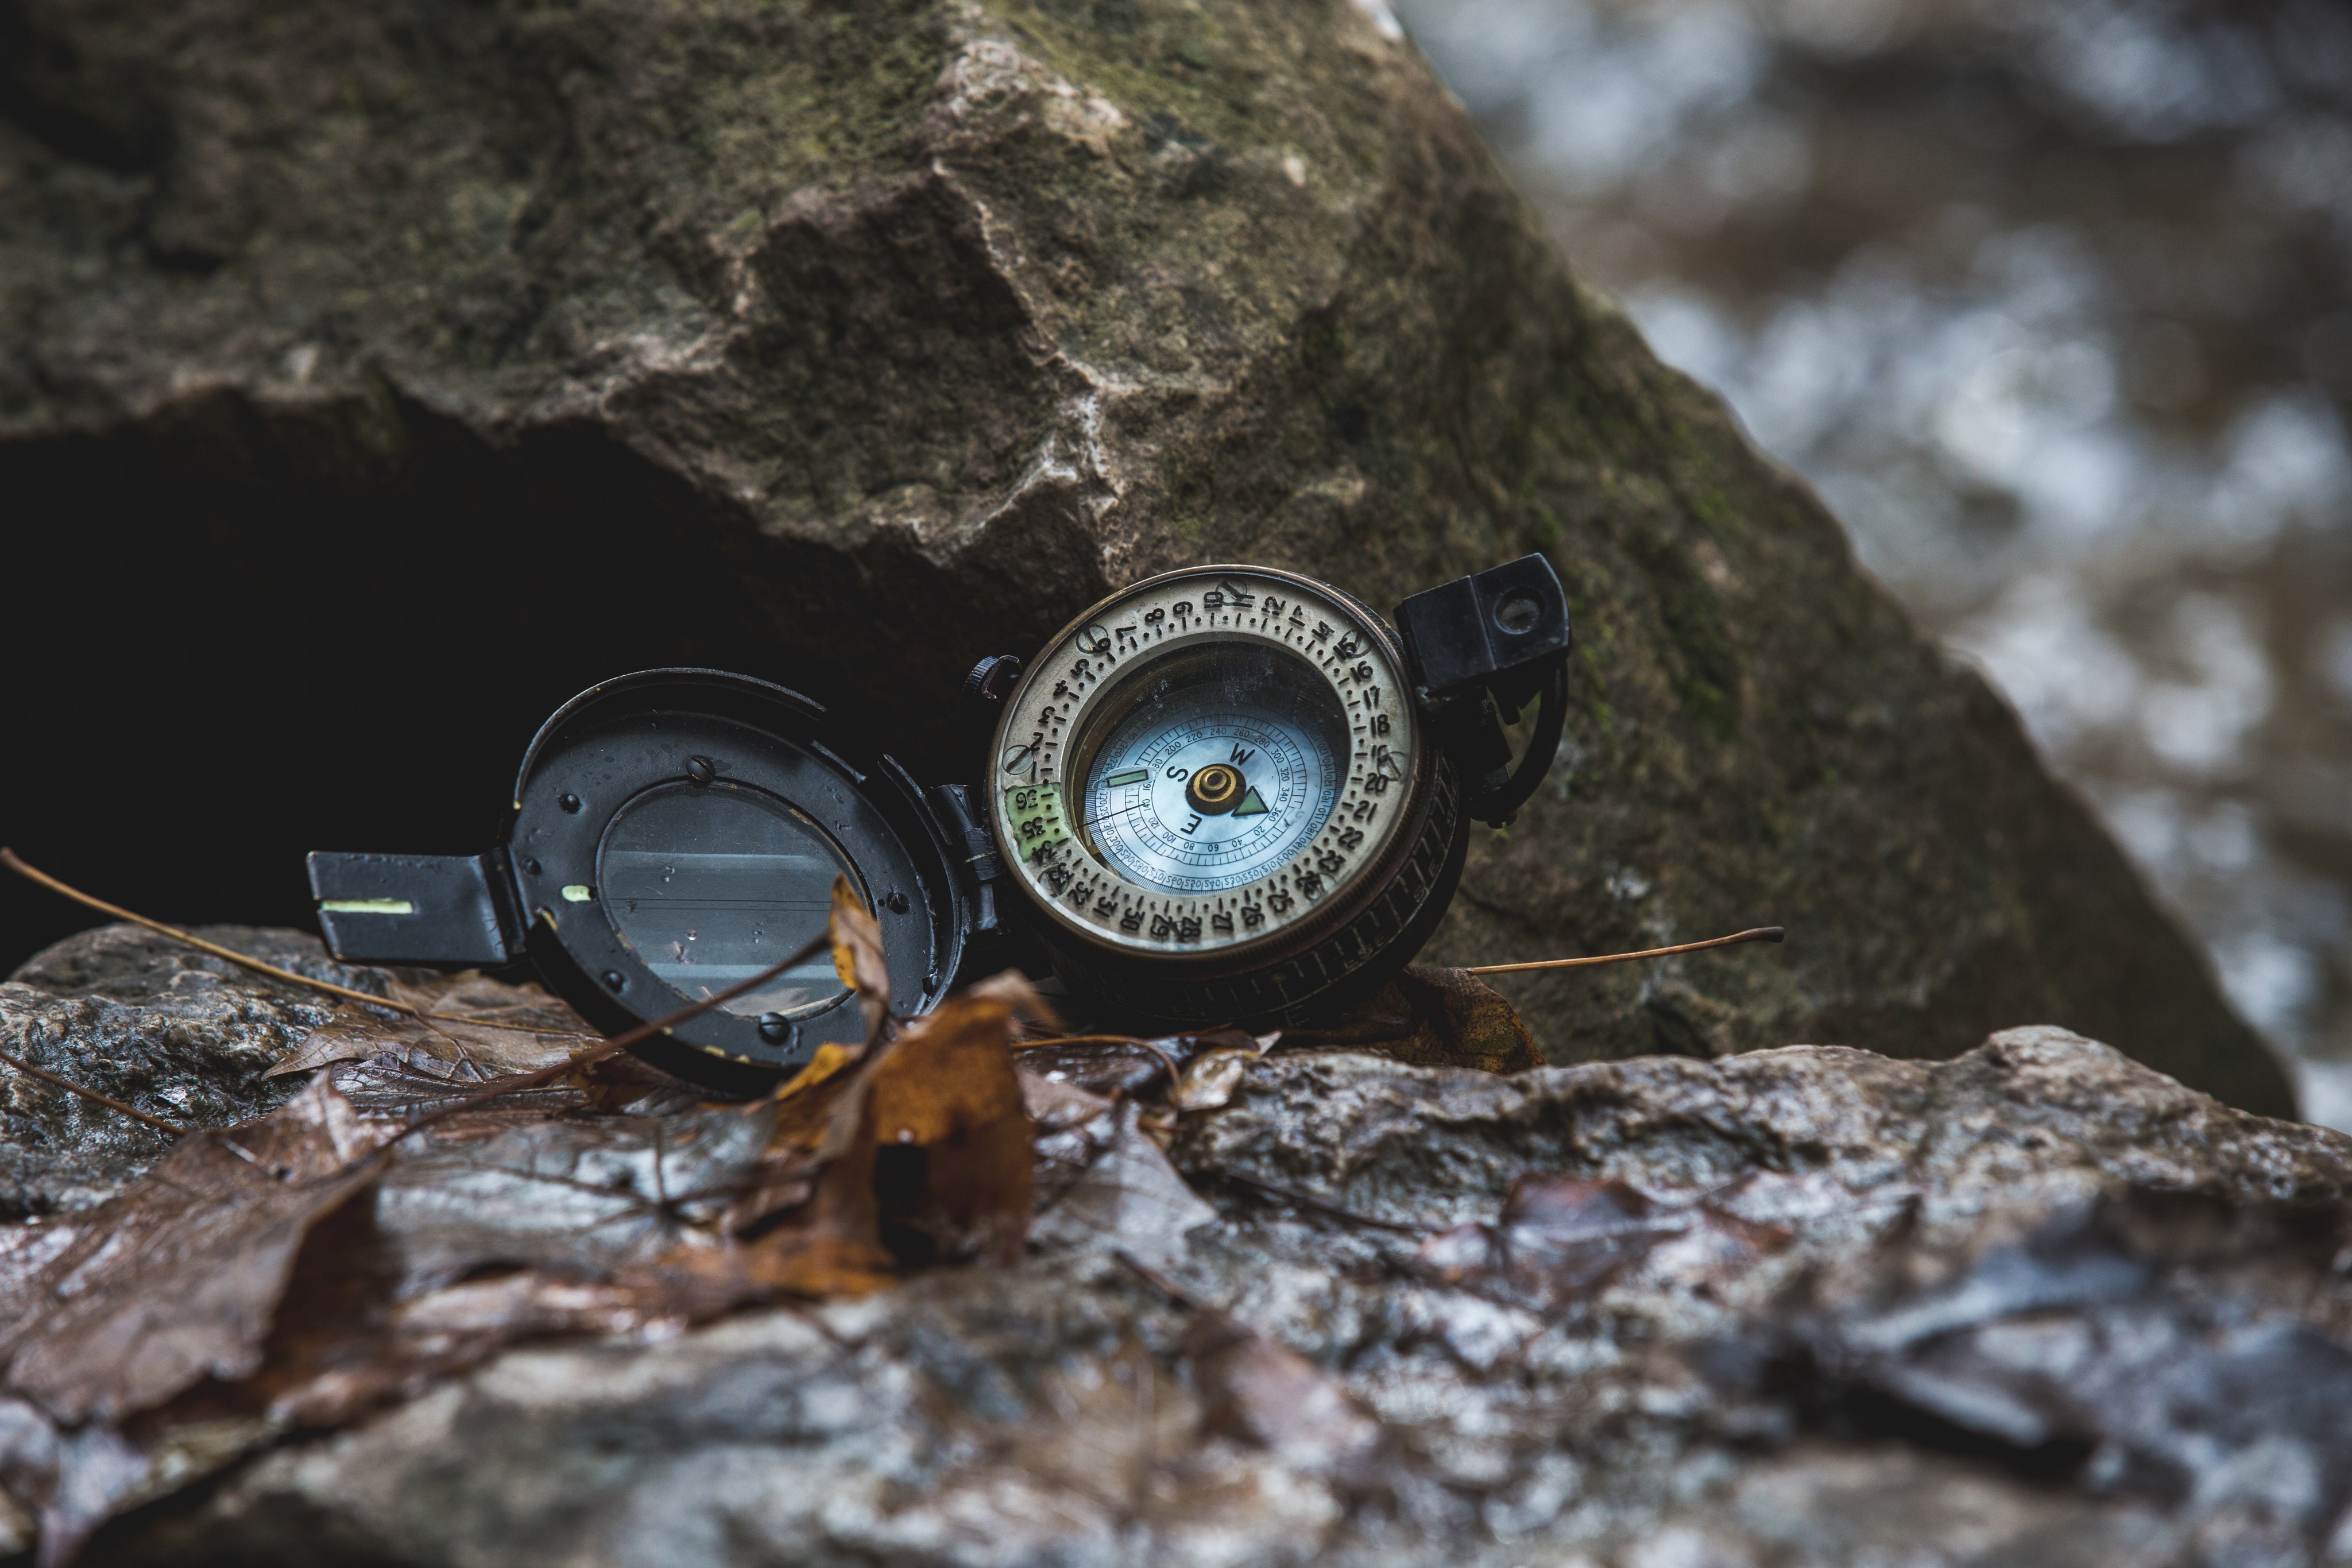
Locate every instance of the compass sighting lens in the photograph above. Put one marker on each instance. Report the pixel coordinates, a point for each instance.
(712, 882)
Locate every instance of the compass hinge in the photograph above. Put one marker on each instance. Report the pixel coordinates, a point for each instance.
(956, 804)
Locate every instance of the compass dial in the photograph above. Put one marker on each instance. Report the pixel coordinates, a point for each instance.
(1206, 761)
(1208, 795)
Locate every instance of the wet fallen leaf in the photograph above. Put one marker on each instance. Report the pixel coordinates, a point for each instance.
(301, 1270)
(356, 1032)
(1210, 1076)
(1438, 1018)
(1072, 1125)
(174, 1281)
(471, 1027)
(1127, 1197)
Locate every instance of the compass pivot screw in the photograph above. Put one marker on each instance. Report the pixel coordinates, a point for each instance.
(570, 802)
(700, 770)
(614, 979)
(776, 1028)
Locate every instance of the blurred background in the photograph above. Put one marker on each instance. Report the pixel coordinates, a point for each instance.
(2052, 299)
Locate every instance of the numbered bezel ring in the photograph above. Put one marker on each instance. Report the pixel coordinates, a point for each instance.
(1304, 699)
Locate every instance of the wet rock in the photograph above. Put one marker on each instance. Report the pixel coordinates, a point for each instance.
(179, 1034)
(501, 348)
(2035, 1304)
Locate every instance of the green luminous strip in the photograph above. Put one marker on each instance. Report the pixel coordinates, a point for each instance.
(1253, 804)
(1133, 776)
(366, 906)
(1036, 810)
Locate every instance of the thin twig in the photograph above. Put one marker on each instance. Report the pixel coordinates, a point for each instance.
(1760, 934)
(498, 1088)
(1159, 1281)
(70, 1087)
(10, 859)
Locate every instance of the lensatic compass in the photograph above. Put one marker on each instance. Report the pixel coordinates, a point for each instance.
(1226, 793)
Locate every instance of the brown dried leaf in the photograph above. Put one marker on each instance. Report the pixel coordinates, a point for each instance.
(947, 1086)
(1211, 1076)
(830, 1061)
(936, 1115)
(354, 1033)
(1440, 1017)
(469, 994)
(178, 1278)
(857, 954)
(535, 1032)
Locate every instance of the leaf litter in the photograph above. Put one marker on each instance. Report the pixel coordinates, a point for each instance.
(400, 1220)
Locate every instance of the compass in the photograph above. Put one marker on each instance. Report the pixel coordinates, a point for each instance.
(1224, 793)
(1233, 792)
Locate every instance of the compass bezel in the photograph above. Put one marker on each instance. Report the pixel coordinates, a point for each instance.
(1093, 657)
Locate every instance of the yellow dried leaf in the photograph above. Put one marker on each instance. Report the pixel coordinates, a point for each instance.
(857, 954)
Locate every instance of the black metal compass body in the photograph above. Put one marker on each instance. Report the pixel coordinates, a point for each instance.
(1228, 792)
(671, 832)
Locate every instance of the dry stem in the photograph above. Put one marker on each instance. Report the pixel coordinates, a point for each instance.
(111, 1103)
(1759, 933)
(10, 859)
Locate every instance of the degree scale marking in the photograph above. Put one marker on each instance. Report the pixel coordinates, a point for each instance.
(1356, 831)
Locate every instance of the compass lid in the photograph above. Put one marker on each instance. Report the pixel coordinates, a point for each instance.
(671, 832)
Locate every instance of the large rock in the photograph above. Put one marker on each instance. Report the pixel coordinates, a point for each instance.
(394, 373)
(181, 1036)
(2038, 1304)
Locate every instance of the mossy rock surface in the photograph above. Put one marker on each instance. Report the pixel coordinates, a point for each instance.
(390, 372)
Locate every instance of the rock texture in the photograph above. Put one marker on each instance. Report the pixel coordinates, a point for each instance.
(1807, 1305)
(386, 375)
(176, 1034)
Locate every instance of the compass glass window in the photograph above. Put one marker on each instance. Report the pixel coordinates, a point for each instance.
(1212, 767)
(711, 884)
